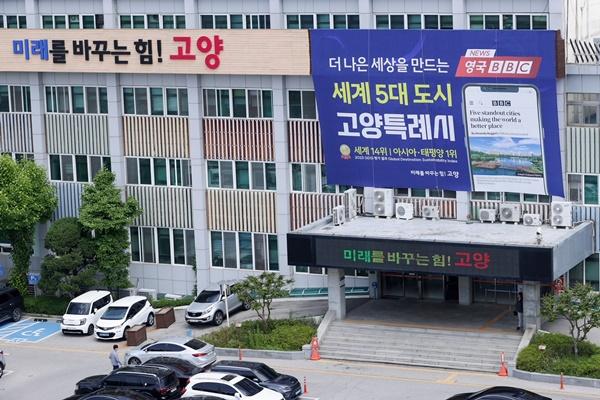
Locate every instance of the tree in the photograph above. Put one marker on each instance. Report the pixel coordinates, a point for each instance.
(69, 269)
(259, 291)
(26, 199)
(580, 306)
(107, 217)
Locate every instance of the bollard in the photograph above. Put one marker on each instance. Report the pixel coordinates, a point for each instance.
(240, 353)
(562, 381)
(305, 387)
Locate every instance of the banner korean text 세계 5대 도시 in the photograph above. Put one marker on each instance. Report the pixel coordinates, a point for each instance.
(458, 110)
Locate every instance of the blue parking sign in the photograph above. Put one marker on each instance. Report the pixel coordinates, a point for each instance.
(33, 278)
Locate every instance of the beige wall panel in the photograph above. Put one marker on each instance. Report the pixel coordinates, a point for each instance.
(15, 133)
(77, 133)
(238, 139)
(241, 210)
(168, 207)
(156, 136)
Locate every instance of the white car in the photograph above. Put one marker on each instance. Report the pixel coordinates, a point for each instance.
(193, 350)
(84, 311)
(123, 314)
(228, 387)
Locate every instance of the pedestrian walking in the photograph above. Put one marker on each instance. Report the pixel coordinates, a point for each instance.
(519, 310)
(114, 358)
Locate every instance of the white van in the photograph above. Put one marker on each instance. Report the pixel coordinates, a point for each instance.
(123, 314)
(84, 311)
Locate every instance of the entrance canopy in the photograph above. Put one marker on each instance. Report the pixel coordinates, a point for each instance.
(446, 247)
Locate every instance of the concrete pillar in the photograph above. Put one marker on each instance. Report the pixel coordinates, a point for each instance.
(191, 14)
(336, 292)
(365, 12)
(115, 130)
(374, 285)
(32, 14)
(111, 14)
(459, 14)
(531, 304)
(463, 207)
(465, 290)
(276, 11)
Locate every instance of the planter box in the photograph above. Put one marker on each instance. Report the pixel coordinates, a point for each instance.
(136, 335)
(165, 317)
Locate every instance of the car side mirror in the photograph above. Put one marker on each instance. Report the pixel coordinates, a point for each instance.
(95, 311)
(256, 380)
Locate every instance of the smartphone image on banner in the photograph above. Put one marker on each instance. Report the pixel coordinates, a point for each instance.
(505, 138)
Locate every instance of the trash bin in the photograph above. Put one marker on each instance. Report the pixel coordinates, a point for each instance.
(136, 335)
(165, 317)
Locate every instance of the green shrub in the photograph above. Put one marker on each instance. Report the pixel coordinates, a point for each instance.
(531, 359)
(184, 301)
(286, 334)
(48, 305)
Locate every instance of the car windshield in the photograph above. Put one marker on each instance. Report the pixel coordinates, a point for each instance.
(78, 308)
(115, 313)
(247, 387)
(208, 296)
(195, 344)
(267, 372)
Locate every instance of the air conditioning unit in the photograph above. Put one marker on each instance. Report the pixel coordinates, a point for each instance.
(368, 199)
(150, 294)
(510, 212)
(532, 219)
(404, 211)
(562, 213)
(432, 212)
(487, 215)
(339, 215)
(350, 204)
(383, 202)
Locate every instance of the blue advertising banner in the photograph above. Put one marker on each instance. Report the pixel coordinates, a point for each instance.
(446, 109)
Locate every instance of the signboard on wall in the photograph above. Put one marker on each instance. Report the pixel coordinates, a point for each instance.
(218, 51)
(446, 109)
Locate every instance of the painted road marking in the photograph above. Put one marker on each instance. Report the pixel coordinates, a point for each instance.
(449, 380)
(28, 331)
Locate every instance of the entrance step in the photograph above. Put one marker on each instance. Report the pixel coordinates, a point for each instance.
(467, 350)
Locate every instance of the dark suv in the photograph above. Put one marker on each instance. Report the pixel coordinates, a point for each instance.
(11, 305)
(158, 382)
(262, 374)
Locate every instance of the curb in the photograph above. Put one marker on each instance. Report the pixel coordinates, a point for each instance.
(272, 354)
(550, 378)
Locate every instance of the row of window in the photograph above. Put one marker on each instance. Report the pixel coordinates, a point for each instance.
(15, 98)
(235, 21)
(244, 250)
(238, 103)
(583, 109)
(13, 21)
(152, 21)
(158, 171)
(76, 99)
(322, 21)
(508, 21)
(76, 168)
(413, 21)
(587, 271)
(155, 101)
(512, 197)
(162, 245)
(583, 189)
(73, 21)
(19, 156)
(241, 175)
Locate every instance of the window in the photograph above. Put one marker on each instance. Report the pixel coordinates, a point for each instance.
(507, 21)
(583, 188)
(587, 271)
(302, 104)
(15, 98)
(388, 21)
(235, 21)
(583, 109)
(244, 250)
(322, 21)
(241, 175)
(20, 156)
(321, 271)
(76, 168)
(245, 103)
(152, 21)
(162, 245)
(141, 101)
(408, 192)
(76, 99)
(13, 21)
(511, 197)
(313, 178)
(76, 21)
(158, 171)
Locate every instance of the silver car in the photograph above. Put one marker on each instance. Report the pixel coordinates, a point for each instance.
(209, 306)
(193, 350)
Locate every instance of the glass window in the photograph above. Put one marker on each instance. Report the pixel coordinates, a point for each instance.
(182, 101)
(382, 22)
(226, 175)
(153, 21)
(172, 102)
(270, 176)
(206, 22)
(539, 22)
(221, 22)
(339, 22)
(156, 101)
(590, 189)
(224, 110)
(125, 21)
(325, 188)
(576, 274)
(592, 272)
(307, 22)
(309, 180)
(512, 196)
(164, 246)
(309, 110)
(168, 22)
(148, 244)
(260, 256)
(245, 250)
(431, 22)
(213, 173)
(180, 21)
(128, 101)
(73, 21)
(532, 198)
(91, 100)
(145, 171)
(55, 167)
(141, 101)
(135, 243)
(178, 246)
(190, 248)
(414, 21)
(258, 176)
(77, 99)
(273, 253)
(494, 195)
(47, 22)
(297, 177)
(446, 22)
(418, 192)
(216, 242)
(323, 21)
(253, 104)
(138, 22)
(210, 103)
(242, 180)
(574, 183)
(66, 164)
(132, 170)
(239, 103)
(267, 104)
(236, 21)
(81, 168)
(523, 22)
(230, 249)
(353, 21)
(292, 22)
(160, 171)
(60, 22)
(96, 165)
(88, 22)
(4, 99)
(295, 104)
(492, 22)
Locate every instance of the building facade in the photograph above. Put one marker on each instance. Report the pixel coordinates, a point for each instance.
(225, 166)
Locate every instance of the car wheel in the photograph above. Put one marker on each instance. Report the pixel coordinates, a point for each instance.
(246, 306)
(218, 318)
(90, 330)
(134, 361)
(125, 333)
(150, 320)
(16, 314)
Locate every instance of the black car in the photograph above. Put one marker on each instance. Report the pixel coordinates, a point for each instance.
(262, 374)
(158, 382)
(11, 305)
(183, 368)
(2, 363)
(111, 394)
(500, 393)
